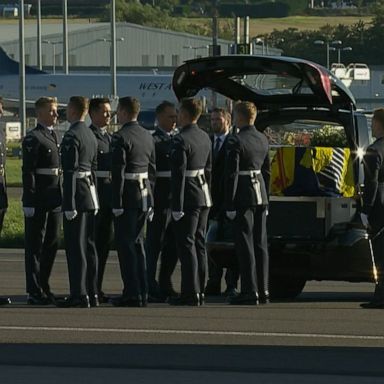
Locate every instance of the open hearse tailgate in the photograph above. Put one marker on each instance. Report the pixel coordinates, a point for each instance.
(265, 80)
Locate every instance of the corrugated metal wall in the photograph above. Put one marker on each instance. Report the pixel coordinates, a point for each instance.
(142, 46)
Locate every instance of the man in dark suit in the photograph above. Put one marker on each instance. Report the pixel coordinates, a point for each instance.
(191, 159)
(80, 204)
(133, 176)
(248, 172)
(220, 124)
(3, 187)
(100, 113)
(159, 232)
(41, 201)
(373, 206)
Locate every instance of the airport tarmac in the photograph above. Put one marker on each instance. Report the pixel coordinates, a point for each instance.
(323, 336)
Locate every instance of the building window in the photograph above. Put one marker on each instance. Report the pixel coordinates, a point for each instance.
(145, 60)
(175, 60)
(160, 60)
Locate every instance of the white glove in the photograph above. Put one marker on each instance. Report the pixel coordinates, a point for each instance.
(70, 215)
(364, 219)
(29, 211)
(150, 214)
(96, 211)
(177, 215)
(117, 212)
(231, 215)
(266, 212)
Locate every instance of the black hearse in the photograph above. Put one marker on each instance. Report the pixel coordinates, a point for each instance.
(317, 140)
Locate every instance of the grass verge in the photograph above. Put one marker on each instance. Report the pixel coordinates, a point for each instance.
(13, 169)
(13, 230)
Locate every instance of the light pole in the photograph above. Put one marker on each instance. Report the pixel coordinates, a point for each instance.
(345, 49)
(196, 48)
(53, 43)
(65, 37)
(22, 103)
(330, 47)
(257, 41)
(113, 62)
(39, 61)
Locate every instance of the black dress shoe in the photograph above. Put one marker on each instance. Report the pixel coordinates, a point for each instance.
(38, 299)
(126, 301)
(94, 301)
(212, 289)
(156, 299)
(264, 299)
(192, 300)
(74, 302)
(50, 297)
(245, 299)
(5, 300)
(201, 299)
(372, 305)
(103, 298)
(230, 292)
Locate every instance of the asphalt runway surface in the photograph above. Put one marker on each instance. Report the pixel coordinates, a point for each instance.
(322, 337)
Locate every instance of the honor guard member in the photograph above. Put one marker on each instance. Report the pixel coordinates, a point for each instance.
(191, 174)
(373, 202)
(247, 201)
(221, 125)
(100, 113)
(133, 175)
(41, 201)
(80, 204)
(3, 187)
(160, 235)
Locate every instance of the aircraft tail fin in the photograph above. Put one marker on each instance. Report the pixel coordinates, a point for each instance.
(9, 66)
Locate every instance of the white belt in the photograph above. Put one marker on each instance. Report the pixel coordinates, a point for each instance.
(255, 183)
(103, 174)
(194, 173)
(48, 171)
(200, 174)
(163, 174)
(86, 175)
(136, 176)
(83, 174)
(250, 173)
(140, 177)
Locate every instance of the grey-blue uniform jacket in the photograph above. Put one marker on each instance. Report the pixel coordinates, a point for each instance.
(41, 154)
(78, 155)
(191, 151)
(3, 184)
(133, 152)
(247, 151)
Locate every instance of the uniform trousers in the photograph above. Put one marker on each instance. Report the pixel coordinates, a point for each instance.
(129, 228)
(169, 258)
(160, 240)
(252, 249)
(42, 233)
(79, 236)
(104, 239)
(190, 233)
(378, 251)
(2, 214)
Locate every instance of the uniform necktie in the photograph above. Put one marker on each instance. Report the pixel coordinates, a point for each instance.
(216, 148)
